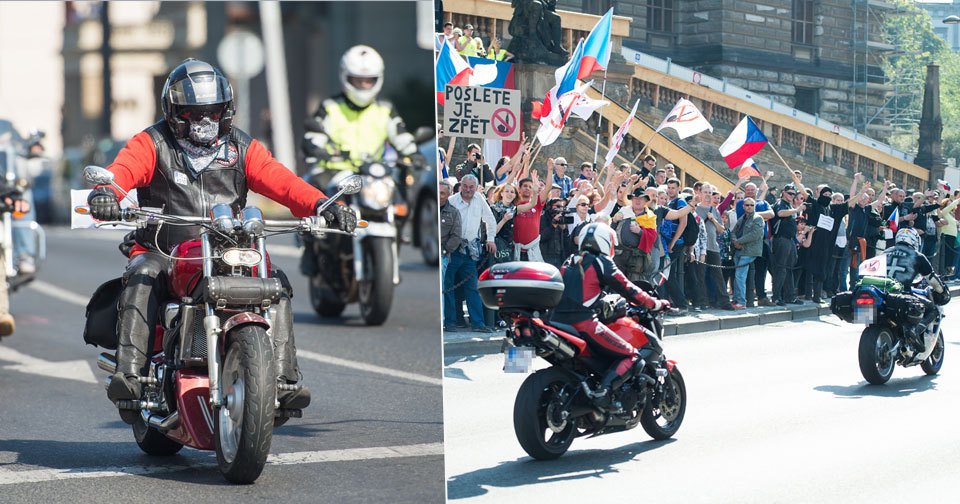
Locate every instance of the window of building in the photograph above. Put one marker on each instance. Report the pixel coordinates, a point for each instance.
(660, 15)
(803, 21)
(598, 7)
(807, 100)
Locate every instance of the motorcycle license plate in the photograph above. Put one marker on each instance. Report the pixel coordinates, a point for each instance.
(518, 360)
(865, 315)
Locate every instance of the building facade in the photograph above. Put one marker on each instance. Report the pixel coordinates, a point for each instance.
(822, 57)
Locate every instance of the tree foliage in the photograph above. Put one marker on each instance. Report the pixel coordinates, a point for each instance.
(911, 30)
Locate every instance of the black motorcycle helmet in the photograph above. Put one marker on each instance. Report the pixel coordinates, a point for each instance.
(196, 89)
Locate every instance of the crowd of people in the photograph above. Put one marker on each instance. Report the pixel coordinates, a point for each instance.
(467, 43)
(702, 247)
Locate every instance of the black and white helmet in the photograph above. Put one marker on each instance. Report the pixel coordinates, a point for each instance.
(193, 90)
(598, 238)
(909, 236)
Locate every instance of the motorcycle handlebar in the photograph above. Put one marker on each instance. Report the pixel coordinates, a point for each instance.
(314, 225)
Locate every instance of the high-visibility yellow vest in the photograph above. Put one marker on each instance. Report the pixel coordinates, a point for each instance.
(361, 133)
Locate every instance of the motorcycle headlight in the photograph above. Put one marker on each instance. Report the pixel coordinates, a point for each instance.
(241, 257)
(377, 170)
(377, 194)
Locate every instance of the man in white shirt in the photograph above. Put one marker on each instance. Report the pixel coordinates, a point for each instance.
(474, 211)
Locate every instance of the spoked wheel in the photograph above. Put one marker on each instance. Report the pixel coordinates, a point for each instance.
(152, 441)
(243, 428)
(539, 417)
(876, 354)
(663, 412)
(376, 291)
(932, 364)
(325, 301)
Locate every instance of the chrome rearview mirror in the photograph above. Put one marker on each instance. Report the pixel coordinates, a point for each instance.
(97, 175)
(350, 185)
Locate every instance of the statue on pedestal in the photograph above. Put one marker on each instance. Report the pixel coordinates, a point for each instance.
(535, 28)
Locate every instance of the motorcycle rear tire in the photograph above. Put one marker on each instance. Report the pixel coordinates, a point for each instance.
(649, 417)
(875, 340)
(931, 365)
(529, 416)
(152, 441)
(325, 301)
(427, 229)
(376, 294)
(241, 457)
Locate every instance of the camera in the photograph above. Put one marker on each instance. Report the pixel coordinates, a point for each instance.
(476, 156)
(567, 217)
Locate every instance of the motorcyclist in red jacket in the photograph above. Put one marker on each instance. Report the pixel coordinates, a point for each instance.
(585, 278)
(191, 160)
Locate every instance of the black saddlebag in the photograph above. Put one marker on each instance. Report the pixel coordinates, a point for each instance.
(842, 306)
(103, 313)
(904, 308)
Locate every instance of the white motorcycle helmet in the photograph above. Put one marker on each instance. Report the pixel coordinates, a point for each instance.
(361, 61)
(598, 238)
(909, 236)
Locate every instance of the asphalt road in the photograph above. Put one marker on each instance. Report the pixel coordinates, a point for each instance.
(777, 414)
(374, 432)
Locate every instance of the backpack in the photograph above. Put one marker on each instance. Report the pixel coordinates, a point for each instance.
(692, 231)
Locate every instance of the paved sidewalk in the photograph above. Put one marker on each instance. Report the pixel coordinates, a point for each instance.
(463, 342)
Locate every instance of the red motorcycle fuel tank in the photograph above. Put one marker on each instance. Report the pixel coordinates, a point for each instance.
(184, 275)
(629, 330)
(521, 285)
(192, 392)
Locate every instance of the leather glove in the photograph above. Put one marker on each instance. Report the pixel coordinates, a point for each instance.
(103, 204)
(339, 216)
(659, 305)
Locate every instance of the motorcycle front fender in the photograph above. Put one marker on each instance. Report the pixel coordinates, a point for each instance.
(241, 319)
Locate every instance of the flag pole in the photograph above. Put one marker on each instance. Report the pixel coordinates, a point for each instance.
(646, 147)
(603, 93)
(779, 156)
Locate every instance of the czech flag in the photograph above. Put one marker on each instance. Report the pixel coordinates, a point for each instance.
(596, 48)
(892, 220)
(749, 169)
(745, 141)
(451, 69)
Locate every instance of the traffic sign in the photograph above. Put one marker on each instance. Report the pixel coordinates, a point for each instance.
(240, 54)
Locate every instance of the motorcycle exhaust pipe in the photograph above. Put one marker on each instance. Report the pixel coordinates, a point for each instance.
(107, 363)
(162, 424)
(556, 344)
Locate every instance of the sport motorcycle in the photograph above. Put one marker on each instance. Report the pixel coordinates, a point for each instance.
(885, 306)
(554, 405)
(212, 381)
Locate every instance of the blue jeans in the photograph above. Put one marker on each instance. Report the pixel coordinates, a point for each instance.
(462, 269)
(740, 279)
(23, 242)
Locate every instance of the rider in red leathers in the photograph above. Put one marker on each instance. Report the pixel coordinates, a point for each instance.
(585, 277)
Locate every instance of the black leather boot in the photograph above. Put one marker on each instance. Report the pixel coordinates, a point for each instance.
(285, 353)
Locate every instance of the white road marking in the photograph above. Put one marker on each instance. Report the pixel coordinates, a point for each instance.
(59, 293)
(74, 298)
(370, 368)
(78, 370)
(9, 477)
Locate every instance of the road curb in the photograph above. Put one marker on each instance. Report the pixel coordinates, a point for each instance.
(462, 344)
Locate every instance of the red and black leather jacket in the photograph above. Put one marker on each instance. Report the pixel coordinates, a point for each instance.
(154, 164)
(585, 278)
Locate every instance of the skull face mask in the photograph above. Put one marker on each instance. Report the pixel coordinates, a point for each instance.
(204, 131)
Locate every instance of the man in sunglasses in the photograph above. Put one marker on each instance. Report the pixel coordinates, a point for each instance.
(783, 257)
(565, 182)
(189, 161)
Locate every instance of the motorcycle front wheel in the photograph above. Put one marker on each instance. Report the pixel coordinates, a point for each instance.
(538, 419)
(876, 354)
(662, 420)
(932, 364)
(376, 292)
(243, 424)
